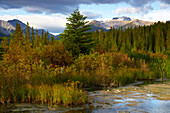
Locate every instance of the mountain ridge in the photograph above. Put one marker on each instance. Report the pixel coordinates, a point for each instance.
(6, 27)
(118, 22)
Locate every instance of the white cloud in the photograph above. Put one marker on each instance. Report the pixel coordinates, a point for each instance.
(149, 15)
(126, 10)
(52, 23)
(131, 10)
(91, 14)
(157, 15)
(164, 6)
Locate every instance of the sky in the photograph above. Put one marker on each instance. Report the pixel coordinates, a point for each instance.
(51, 14)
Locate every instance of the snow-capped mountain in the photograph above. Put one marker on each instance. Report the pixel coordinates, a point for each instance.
(118, 22)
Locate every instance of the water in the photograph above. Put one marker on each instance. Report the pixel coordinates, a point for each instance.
(134, 98)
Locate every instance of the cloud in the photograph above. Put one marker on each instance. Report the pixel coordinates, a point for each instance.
(33, 10)
(157, 15)
(164, 6)
(131, 10)
(90, 14)
(165, 1)
(52, 23)
(126, 10)
(139, 3)
(65, 6)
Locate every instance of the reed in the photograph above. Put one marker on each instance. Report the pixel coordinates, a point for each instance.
(40, 86)
(66, 94)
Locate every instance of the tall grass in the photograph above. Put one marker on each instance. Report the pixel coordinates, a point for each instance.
(40, 86)
(67, 94)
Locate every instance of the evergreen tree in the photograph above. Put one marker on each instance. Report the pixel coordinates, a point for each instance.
(143, 39)
(101, 35)
(112, 40)
(32, 36)
(128, 44)
(122, 48)
(46, 41)
(45, 38)
(76, 36)
(162, 43)
(152, 40)
(96, 36)
(114, 44)
(36, 42)
(134, 40)
(157, 41)
(129, 39)
(106, 42)
(120, 38)
(52, 40)
(27, 35)
(41, 42)
(17, 36)
(100, 44)
(168, 42)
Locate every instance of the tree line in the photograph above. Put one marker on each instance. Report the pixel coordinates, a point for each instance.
(151, 39)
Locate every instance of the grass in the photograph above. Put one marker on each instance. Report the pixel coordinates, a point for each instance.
(42, 86)
(66, 94)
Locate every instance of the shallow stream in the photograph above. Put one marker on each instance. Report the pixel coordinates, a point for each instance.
(134, 98)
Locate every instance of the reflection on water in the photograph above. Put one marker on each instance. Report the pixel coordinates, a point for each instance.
(129, 99)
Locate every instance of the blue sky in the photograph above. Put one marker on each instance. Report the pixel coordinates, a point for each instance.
(51, 14)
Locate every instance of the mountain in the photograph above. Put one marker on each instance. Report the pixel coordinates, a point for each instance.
(137, 23)
(7, 26)
(14, 21)
(97, 25)
(118, 22)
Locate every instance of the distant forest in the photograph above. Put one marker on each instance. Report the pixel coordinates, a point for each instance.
(153, 39)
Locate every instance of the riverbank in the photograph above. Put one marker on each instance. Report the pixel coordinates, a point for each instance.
(152, 98)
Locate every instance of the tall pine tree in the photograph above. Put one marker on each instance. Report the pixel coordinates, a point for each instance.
(168, 42)
(76, 36)
(32, 36)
